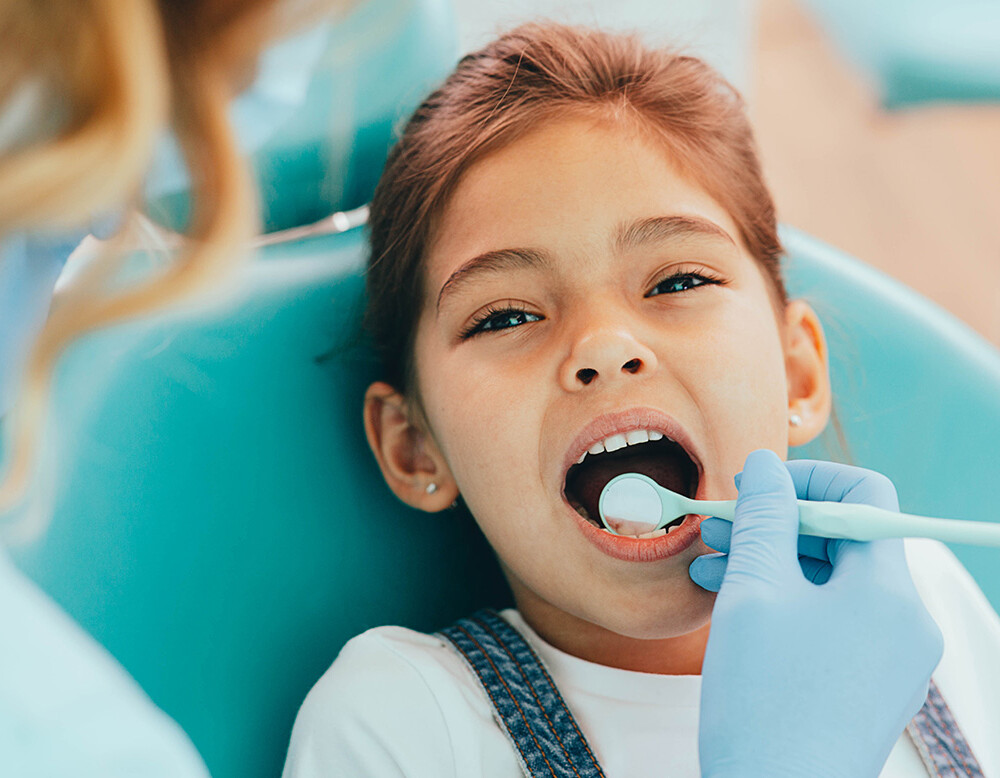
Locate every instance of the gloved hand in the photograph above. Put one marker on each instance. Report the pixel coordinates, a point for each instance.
(799, 678)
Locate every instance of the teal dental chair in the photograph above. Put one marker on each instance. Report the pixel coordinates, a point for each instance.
(214, 492)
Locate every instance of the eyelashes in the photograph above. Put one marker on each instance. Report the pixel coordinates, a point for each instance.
(707, 278)
(506, 316)
(498, 318)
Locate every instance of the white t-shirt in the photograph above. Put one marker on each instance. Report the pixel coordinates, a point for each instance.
(403, 703)
(67, 708)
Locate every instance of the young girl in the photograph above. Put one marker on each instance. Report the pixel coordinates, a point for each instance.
(574, 274)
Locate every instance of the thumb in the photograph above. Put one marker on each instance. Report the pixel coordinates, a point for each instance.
(764, 540)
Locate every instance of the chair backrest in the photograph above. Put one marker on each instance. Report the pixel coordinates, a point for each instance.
(222, 528)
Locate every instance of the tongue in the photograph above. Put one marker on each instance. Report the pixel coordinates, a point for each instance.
(671, 470)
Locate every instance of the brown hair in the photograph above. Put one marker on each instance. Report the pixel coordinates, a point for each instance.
(528, 75)
(531, 74)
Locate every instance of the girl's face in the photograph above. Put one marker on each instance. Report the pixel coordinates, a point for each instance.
(579, 287)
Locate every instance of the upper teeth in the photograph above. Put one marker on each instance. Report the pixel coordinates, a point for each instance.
(620, 440)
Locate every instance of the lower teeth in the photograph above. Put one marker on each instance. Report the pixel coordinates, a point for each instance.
(583, 512)
(654, 534)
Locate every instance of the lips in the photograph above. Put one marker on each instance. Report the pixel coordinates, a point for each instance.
(663, 460)
(623, 422)
(615, 425)
(639, 549)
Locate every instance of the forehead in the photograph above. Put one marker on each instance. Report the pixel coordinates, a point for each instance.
(565, 187)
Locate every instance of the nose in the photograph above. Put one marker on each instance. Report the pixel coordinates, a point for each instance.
(603, 355)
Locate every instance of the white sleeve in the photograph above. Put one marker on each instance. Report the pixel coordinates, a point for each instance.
(67, 707)
(372, 714)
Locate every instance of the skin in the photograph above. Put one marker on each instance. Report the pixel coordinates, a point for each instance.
(496, 413)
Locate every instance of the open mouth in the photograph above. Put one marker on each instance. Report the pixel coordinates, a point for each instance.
(647, 452)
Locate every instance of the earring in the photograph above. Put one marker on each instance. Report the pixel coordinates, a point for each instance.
(431, 488)
(794, 419)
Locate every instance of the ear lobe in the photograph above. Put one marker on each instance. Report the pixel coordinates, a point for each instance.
(407, 455)
(807, 368)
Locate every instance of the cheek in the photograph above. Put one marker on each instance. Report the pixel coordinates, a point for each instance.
(744, 391)
(467, 412)
(479, 417)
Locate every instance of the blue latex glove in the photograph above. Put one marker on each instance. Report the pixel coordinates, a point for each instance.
(799, 678)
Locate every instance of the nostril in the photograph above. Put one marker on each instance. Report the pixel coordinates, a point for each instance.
(586, 375)
(632, 366)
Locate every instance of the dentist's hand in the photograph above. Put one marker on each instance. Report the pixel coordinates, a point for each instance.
(800, 678)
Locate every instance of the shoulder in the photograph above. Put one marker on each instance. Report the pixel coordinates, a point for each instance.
(389, 701)
(967, 619)
(968, 675)
(945, 586)
(404, 666)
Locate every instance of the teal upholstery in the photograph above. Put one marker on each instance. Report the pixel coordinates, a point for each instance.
(209, 508)
(919, 51)
(916, 390)
(222, 528)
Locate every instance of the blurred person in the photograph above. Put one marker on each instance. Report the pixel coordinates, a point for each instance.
(89, 91)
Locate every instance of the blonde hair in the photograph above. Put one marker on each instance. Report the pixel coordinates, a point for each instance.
(124, 71)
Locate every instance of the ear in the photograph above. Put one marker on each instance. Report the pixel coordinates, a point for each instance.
(407, 454)
(807, 368)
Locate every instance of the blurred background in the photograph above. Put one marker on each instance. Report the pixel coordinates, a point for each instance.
(878, 123)
(879, 128)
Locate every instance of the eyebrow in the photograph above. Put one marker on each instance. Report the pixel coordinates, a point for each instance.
(629, 235)
(667, 228)
(491, 262)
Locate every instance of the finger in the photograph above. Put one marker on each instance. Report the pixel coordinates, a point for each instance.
(764, 539)
(708, 570)
(815, 547)
(816, 479)
(820, 480)
(815, 570)
(872, 560)
(715, 533)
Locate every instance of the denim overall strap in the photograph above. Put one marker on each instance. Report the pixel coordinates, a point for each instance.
(526, 702)
(942, 746)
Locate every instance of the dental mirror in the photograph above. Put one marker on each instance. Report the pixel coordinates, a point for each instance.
(631, 505)
(634, 504)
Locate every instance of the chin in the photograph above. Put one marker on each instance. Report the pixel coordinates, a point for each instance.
(674, 611)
